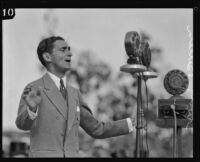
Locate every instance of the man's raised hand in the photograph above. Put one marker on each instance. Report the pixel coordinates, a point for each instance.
(32, 96)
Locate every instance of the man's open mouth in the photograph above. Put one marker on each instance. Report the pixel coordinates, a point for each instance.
(68, 60)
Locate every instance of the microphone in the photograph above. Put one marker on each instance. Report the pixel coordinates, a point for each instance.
(145, 54)
(139, 54)
(176, 82)
(132, 45)
(175, 112)
(138, 63)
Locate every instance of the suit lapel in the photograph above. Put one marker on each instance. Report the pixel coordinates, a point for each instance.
(55, 96)
(72, 106)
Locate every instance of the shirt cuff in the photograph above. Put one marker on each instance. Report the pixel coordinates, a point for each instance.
(31, 114)
(130, 125)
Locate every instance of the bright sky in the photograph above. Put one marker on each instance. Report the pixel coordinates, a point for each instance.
(100, 30)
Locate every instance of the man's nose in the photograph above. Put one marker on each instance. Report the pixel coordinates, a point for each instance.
(69, 53)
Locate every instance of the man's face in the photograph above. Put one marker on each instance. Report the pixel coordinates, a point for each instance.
(61, 56)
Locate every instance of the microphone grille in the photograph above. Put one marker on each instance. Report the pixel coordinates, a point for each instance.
(132, 42)
(176, 82)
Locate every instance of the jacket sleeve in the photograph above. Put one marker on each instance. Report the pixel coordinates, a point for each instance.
(23, 121)
(100, 129)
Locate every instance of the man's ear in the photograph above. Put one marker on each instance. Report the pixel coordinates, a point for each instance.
(46, 56)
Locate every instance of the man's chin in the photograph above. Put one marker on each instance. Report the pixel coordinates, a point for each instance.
(68, 68)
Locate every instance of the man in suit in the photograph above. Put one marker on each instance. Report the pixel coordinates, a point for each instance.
(53, 110)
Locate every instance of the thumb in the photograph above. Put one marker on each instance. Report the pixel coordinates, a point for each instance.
(39, 91)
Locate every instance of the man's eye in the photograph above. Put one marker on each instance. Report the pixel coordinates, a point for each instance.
(66, 48)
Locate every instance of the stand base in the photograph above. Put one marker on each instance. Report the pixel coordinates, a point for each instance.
(133, 68)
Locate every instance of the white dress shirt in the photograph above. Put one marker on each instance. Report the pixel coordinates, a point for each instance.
(57, 79)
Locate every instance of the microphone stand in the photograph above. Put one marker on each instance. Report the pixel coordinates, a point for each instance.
(139, 55)
(139, 125)
(139, 139)
(137, 68)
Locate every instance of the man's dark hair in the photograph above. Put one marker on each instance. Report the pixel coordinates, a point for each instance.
(46, 45)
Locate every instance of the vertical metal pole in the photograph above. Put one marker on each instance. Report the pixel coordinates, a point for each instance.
(179, 141)
(139, 119)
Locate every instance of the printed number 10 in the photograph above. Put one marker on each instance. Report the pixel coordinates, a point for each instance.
(8, 12)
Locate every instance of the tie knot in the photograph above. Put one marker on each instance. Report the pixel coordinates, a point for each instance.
(62, 83)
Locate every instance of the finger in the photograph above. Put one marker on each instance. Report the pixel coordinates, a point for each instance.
(24, 96)
(26, 92)
(39, 90)
(29, 93)
(29, 86)
(28, 89)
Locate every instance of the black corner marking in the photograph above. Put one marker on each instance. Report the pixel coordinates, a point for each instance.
(8, 13)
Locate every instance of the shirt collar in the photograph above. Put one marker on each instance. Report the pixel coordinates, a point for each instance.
(57, 79)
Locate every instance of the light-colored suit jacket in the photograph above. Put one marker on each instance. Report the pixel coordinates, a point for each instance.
(54, 132)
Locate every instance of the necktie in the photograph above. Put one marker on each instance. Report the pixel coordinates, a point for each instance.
(62, 89)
